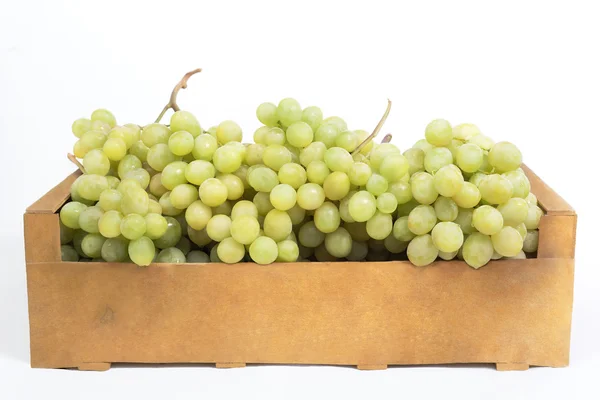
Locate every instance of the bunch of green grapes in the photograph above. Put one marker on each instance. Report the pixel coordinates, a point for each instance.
(307, 189)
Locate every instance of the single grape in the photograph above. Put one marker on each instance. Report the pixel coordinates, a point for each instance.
(156, 187)
(531, 241)
(436, 158)
(113, 182)
(213, 192)
(263, 179)
(423, 145)
(133, 226)
(336, 185)
(310, 196)
(520, 184)
(197, 257)
(347, 140)
(91, 245)
(81, 126)
(183, 195)
(465, 220)
(338, 159)
(70, 213)
(338, 122)
(422, 219)
(198, 214)
(468, 195)
(447, 236)
(105, 116)
(166, 206)
(505, 156)
(531, 199)
(465, 131)
(387, 203)
(141, 251)
(289, 111)
(181, 143)
(171, 236)
(358, 252)
(263, 203)
(140, 175)
(230, 251)
(200, 237)
(159, 156)
(92, 140)
(317, 172)
(514, 211)
(267, 114)
(447, 255)
(381, 152)
(263, 250)
(229, 131)
(496, 189)
(532, 221)
(482, 141)
(171, 255)
(327, 217)
(153, 134)
(377, 185)
(402, 192)
(309, 235)
(109, 225)
(66, 233)
(487, 220)
(277, 225)
(394, 246)
(439, 132)
(214, 255)
(508, 241)
(326, 134)
(393, 167)
(400, 230)
(448, 180)
(359, 173)
(469, 157)
(287, 251)
(205, 146)
(275, 156)
(218, 228)
(313, 116)
(254, 154)
(245, 229)
(299, 134)
(198, 171)
(114, 250)
(445, 209)
(90, 187)
(185, 121)
(338, 243)
(88, 219)
(380, 225)
(275, 136)
(292, 174)
(174, 174)
(114, 148)
(421, 251)
(156, 225)
(244, 207)
(80, 149)
(135, 201)
(313, 152)
(362, 206)
(422, 187)
(283, 197)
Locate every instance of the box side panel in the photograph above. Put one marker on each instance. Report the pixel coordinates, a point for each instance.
(42, 237)
(511, 311)
(557, 236)
(550, 201)
(55, 198)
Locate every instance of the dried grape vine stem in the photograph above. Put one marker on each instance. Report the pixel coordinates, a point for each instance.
(173, 99)
(376, 130)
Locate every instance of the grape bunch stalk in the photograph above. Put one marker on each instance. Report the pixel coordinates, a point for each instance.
(307, 189)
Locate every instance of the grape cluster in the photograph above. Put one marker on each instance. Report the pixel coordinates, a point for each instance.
(307, 189)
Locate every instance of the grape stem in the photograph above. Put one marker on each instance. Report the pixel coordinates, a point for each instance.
(173, 99)
(75, 161)
(376, 130)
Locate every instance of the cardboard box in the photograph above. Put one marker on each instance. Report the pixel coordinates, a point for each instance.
(514, 313)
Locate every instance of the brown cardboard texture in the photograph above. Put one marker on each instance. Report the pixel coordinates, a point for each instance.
(514, 313)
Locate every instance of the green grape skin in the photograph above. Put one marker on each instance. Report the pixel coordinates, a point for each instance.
(214, 255)
(81, 126)
(520, 183)
(174, 174)
(289, 111)
(283, 197)
(198, 171)
(313, 152)
(114, 148)
(80, 149)
(223, 209)
(254, 154)
(422, 187)
(520, 256)
(244, 207)
(292, 174)
(446, 210)
(477, 178)
(96, 162)
(531, 198)
(322, 255)
(487, 220)
(380, 153)
(109, 225)
(359, 173)
(213, 192)
(198, 214)
(338, 159)
(327, 217)
(260, 135)
(447, 236)
(227, 159)
(482, 141)
(338, 122)
(70, 213)
(400, 230)
(297, 214)
(347, 140)
(230, 251)
(421, 251)
(477, 250)
(198, 237)
(263, 250)
(135, 201)
(358, 252)
(514, 211)
(386, 203)
(393, 167)
(345, 207)
(242, 173)
(521, 228)
(406, 208)
(508, 242)
(465, 131)
(171, 255)
(336, 186)
(495, 189)
(532, 221)
(114, 250)
(263, 179)
(422, 219)
(362, 206)
(90, 187)
(436, 158)
(453, 147)
(276, 136)
(88, 219)
(310, 196)
(380, 225)
(127, 184)
(234, 185)
(310, 236)
(358, 231)
(141, 251)
(469, 157)
(185, 121)
(402, 192)
(205, 146)
(113, 182)
(299, 134)
(92, 140)
(531, 241)
(266, 113)
(140, 175)
(338, 243)
(245, 229)
(447, 256)
(505, 156)
(78, 236)
(229, 131)
(66, 233)
(181, 143)
(197, 257)
(362, 136)
(156, 225)
(287, 251)
(468, 195)
(182, 223)
(154, 134)
(171, 236)
(159, 156)
(423, 145)
(377, 185)
(317, 172)
(439, 132)
(91, 245)
(326, 134)
(275, 156)
(313, 116)
(448, 180)
(218, 228)
(485, 165)
(394, 246)
(465, 220)
(184, 244)
(277, 225)
(263, 203)
(166, 206)
(105, 116)
(133, 226)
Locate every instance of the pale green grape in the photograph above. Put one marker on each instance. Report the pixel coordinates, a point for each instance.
(185, 121)
(485, 165)
(277, 225)
(358, 231)
(156, 225)
(347, 140)
(338, 159)
(313, 116)
(422, 219)
(214, 255)
(386, 203)
(297, 214)
(514, 211)
(70, 213)
(336, 186)
(79, 149)
(229, 131)
(109, 225)
(317, 172)
(505, 156)
(275, 156)
(338, 122)
(358, 252)
(159, 156)
(90, 187)
(423, 145)
(91, 245)
(204, 147)
(362, 136)
(275, 136)
(105, 116)
(262, 202)
(299, 134)
(92, 140)
(469, 157)
(244, 207)
(421, 251)
(477, 250)
(422, 187)
(129, 134)
(263, 250)
(223, 209)
(230, 251)
(448, 180)
(254, 154)
(114, 250)
(310, 196)
(166, 206)
(218, 228)
(198, 171)
(532, 221)
(181, 143)
(327, 217)
(345, 207)
(78, 236)
(183, 195)
(81, 126)
(482, 141)
(453, 147)
(171, 255)
(174, 174)
(447, 236)
(171, 235)
(439, 132)
(114, 148)
(487, 220)
(184, 244)
(326, 134)
(377, 185)
(88, 219)
(198, 214)
(183, 223)
(313, 152)
(520, 184)
(283, 197)
(400, 230)
(380, 153)
(213, 192)
(362, 206)
(465, 131)
(262, 179)
(322, 255)
(310, 236)
(436, 158)
(197, 257)
(135, 201)
(531, 198)
(260, 135)
(267, 114)
(508, 242)
(242, 173)
(141, 251)
(477, 178)
(200, 237)
(406, 208)
(227, 159)
(245, 229)
(156, 187)
(447, 255)
(234, 185)
(287, 251)
(292, 174)
(66, 233)
(133, 226)
(289, 111)
(113, 182)
(140, 175)
(530, 242)
(520, 256)
(153, 134)
(465, 220)
(294, 153)
(359, 173)
(445, 209)
(393, 167)
(394, 246)
(128, 163)
(402, 192)
(380, 225)
(496, 189)
(522, 229)
(468, 195)
(338, 243)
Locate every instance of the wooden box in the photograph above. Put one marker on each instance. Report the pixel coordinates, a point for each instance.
(514, 313)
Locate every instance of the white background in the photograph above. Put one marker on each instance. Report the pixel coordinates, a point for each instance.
(524, 71)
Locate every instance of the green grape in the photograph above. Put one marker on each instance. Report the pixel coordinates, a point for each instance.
(292, 174)
(299, 134)
(227, 159)
(135, 201)
(505, 156)
(91, 186)
(289, 111)
(283, 197)
(345, 207)
(114, 149)
(402, 192)
(245, 229)
(448, 180)
(128, 163)
(75, 196)
(422, 187)
(79, 149)
(254, 154)
(508, 242)
(197, 257)
(447, 236)
(78, 236)
(531, 241)
(313, 116)
(522, 229)
(113, 182)
(394, 246)
(92, 140)
(213, 192)
(406, 208)
(327, 217)
(181, 143)
(495, 189)
(362, 206)
(400, 230)
(313, 152)
(465, 220)
(275, 156)
(338, 122)
(439, 132)
(520, 184)
(468, 196)
(92, 244)
(436, 158)
(310, 236)
(66, 233)
(275, 136)
(141, 251)
(465, 131)
(214, 255)
(242, 173)
(127, 134)
(263, 179)
(140, 175)
(454, 146)
(156, 187)
(171, 235)
(154, 134)
(229, 131)
(447, 255)
(185, 121)
(326, 134)
(159, 156)
(482, 141)
(133, 226)
(205, 147)
(322, 255)
(223, 209)
(260, 135)
(445, 209)
(234, 185)
(380, 225)
(166, 206)
(156, 225)
(362, 136)
(381, 152)
(487, 220)
(218, 228)
(477, 178)
(393, 167)
(109, 225)
(244, 207)
(469, 157)
(183, 223)
(532, 221)
(336, 185)
(70, 213)
(267, 114)
(531, 198)
(105, 116)
(310, 196)
(114, 250)
(421, 251)
(338, 243)
(263, 203)
(358, 252)
(171, 255)
(263, 250)
(520, 256)
(317, 172)
(88, 219)
(358, 231)
(485, 165)
(81, 126)
(423, 145)
(230, 251)
(199, 237)
(422, 219)
(198, 214)
(359, 173)
(294, 153)
(338, 159)
(386, 203)
(514, 211)
(297, 214)
(198, 171)
(174, 174)
(347, 140)
(377, 185)
(287, 251)
(183, 195)
(277, 225)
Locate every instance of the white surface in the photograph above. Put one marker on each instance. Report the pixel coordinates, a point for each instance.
(523, 71)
